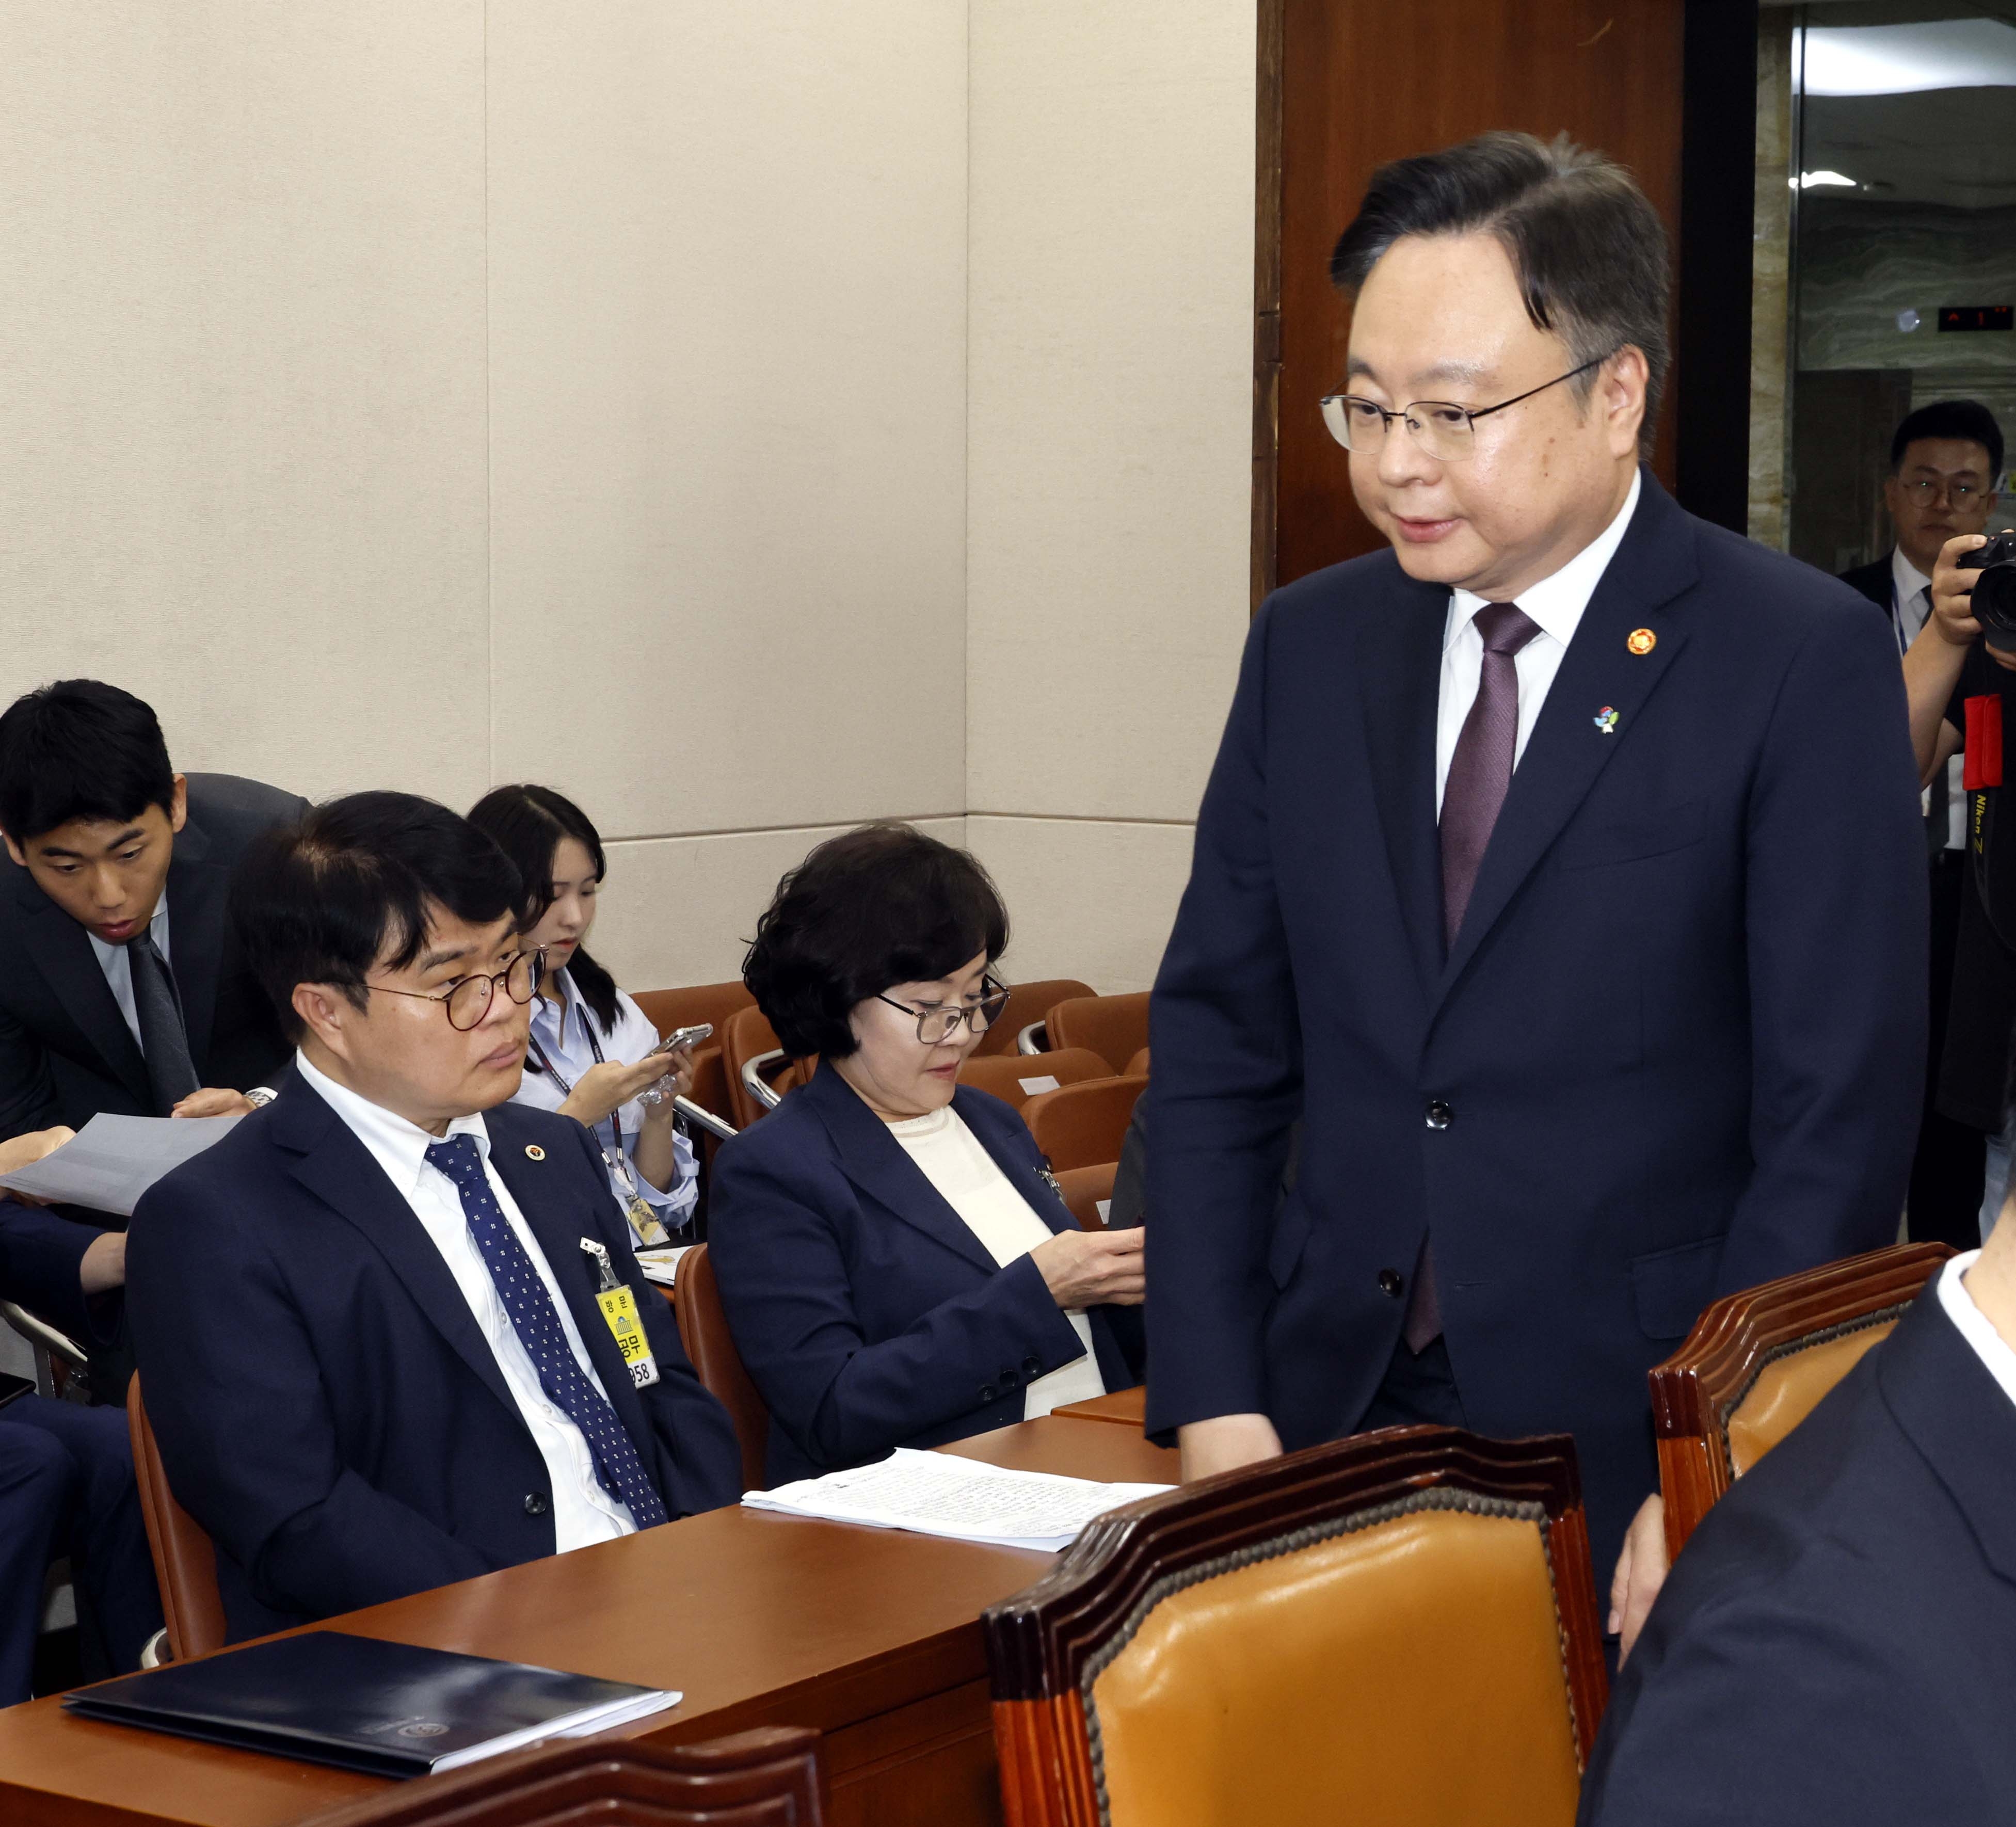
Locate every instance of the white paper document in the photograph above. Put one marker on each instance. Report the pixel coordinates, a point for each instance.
(662, 1265)
(940, 1493)
(112, 1160)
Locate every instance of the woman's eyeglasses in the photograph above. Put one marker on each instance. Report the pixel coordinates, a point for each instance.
(467, 1000)
(940, 1022)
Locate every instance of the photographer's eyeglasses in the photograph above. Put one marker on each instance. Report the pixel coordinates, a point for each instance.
(937, 1023)
(1440, 427)
(467, 1000)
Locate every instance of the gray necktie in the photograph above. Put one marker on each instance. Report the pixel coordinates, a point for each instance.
(163, 1040)
(1479, 777)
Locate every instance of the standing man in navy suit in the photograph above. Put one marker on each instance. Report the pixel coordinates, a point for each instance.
(368, 1321)
(1561, 869)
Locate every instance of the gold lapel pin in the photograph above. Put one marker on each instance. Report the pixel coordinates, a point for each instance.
(534, 1151)
(1641, 641)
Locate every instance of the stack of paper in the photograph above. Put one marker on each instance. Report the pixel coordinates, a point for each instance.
(938, 1493)
(112, 1160)
(662, 1265)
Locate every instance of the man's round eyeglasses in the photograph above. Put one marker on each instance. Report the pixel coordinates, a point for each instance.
(467, 1000)
(1440, 427)
(938, 1022)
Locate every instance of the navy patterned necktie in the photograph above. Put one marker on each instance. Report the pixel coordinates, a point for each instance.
(163, 1040)
(538, 1325)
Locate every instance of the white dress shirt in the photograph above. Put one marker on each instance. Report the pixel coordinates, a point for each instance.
(1989, 1346)
(583, 1511)
(965, 1175)
(1556, 604)
(1910, 608)
(117, 962)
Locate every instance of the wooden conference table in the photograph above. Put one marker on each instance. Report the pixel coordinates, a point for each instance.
(870, 1635)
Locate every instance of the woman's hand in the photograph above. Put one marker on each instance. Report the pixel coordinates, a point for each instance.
(606, 1086)
(677, 1066)
(1093, 1268)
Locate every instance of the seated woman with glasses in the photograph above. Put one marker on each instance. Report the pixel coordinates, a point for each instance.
(592, 1054)
(896, 1265)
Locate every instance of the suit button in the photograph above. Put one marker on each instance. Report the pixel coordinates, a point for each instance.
(1033, 1367)
(1010, 1379)
(1391, 1282)
(536, 1504)
(1440, 1115)
(987, 1392)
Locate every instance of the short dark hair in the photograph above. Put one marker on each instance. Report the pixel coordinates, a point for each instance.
(1589, 251)
(354, 883)
(527, 823)
(881, 904)
(1957, 419)
(80, 748)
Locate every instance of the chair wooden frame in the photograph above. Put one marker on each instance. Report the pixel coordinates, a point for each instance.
(1043, 1645)
(771, 1777)
(1697, 1390)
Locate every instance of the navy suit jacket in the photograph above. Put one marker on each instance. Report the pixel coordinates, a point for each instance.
(327, 1407)
(867, 1313)
(1837, 1642)
(1679, 1040)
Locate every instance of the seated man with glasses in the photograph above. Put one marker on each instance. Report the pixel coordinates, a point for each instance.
(367, 1320)
(896, 1263)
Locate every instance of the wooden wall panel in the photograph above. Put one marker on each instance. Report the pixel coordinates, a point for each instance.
(1363, 81)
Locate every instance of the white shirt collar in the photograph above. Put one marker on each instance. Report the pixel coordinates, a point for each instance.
(1557, 603)
(1989, 1346)
(389, 1136)
(1905, 578)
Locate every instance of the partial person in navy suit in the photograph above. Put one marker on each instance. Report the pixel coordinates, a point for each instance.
(367, 1320)
(1561, 869)
(1837, 1643)
(897, 1266)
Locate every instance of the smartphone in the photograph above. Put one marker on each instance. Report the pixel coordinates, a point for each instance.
(12, 1385)
(684, 1036)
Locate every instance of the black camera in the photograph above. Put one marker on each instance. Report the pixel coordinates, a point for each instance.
(1994, 598)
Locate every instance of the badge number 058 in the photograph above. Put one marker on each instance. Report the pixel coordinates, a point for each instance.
(619, 1308)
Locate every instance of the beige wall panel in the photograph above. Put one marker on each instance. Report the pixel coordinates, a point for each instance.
(728, 326)
(242, 445)
(1110, 369)
(682, 910)
(1087, 898)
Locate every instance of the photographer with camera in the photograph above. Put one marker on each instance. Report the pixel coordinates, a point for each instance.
(1957, 673)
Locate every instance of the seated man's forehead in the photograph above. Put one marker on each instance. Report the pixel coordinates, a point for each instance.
(451, 941)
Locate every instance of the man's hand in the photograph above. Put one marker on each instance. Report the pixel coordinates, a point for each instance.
(1641, 1571)
(1952, 598)
(104, 1265)
(215, 1101)
(1224, 1443)
(24, 1151)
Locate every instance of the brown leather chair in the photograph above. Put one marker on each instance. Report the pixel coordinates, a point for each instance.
(185, 1559)
(1137, 1067)
(1760, 1361)
(1398, 1627)
(704, 1331)
(772, 1777)
(1028, 1004)
(1084, 1188)
(1083, 1125)
(1115, 1027)
(1017, 1078)
(697, 1002)
(749, 1047)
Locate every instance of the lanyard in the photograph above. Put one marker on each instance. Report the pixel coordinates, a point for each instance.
(566, 1091)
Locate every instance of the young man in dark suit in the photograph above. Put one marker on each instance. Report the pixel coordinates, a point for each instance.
(367, 1320)
(1560, 869)
(1945, 459)
(1837, 1643)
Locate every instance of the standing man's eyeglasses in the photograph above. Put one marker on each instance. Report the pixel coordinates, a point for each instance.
(1446, 431)
(467, 1000)
(1956, 495)
(939, 1022)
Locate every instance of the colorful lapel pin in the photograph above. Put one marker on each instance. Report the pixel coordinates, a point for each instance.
(534, 1152)
(1641, 641)
(1606, 721)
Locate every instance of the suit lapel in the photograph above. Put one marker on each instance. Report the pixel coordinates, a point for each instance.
(195, 889)
(60, 949)
(1041, 1196)
(1399, 679)
(874, 1160)
(340, 1170)
(1591, 710)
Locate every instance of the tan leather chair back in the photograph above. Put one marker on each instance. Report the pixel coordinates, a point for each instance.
(1137, 1067)
(1115, 1027)
(1083, 1125)
(1015, 1078)
(184, 1557)
(1028, 1003)
(697, 1002)
(704, 1331)
(748, 1035)
(1085, 1189)
(1399, 1627)
(772, 1777)
(1757, 1362)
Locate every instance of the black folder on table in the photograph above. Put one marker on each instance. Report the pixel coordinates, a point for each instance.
(385, 1709)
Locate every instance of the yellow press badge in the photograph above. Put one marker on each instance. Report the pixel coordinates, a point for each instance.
(619, 1309)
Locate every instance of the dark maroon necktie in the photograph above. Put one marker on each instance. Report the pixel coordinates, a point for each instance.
(1479, 776)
